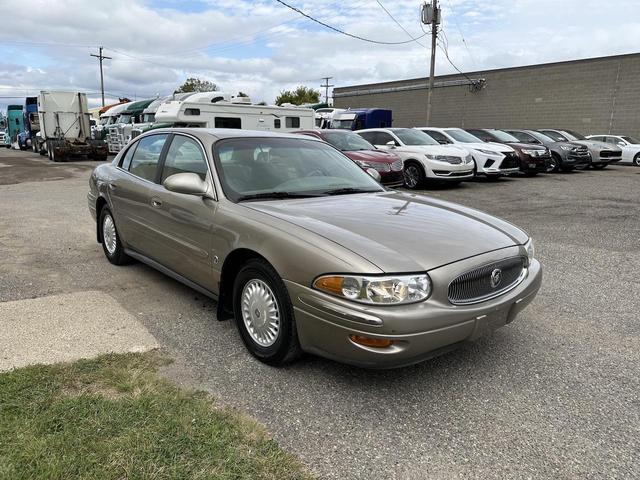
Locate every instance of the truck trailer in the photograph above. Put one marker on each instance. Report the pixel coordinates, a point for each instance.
(65, 131)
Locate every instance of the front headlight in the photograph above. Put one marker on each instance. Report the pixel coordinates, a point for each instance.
(486, 152)
(531, 251)
(445, 158)
(387, 290)
(566, 147)
(533, 153)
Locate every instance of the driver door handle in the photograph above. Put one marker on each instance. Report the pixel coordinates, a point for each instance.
(156, 203)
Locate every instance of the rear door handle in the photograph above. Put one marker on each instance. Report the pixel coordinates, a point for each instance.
(156, 203)
(112, 186)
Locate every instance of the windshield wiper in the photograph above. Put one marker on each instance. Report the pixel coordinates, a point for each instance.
(349, 190)
(275, 196)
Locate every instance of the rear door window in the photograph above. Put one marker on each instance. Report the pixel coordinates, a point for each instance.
(184, 156)
(144, 162)
(125, 163)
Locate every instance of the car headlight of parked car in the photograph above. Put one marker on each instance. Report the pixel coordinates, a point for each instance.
(531, 251)
(487, 152)
(388, 290)
(445, 158)
(566, 147)
(533, 153)
(380, 167)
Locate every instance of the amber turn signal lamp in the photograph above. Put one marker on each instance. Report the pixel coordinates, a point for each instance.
(371, 342)
(330, 285)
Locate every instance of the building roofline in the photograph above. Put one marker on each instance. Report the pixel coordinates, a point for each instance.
(480, 72)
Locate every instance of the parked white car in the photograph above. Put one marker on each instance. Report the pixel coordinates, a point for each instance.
(630, 146)
(424, 159)
(491, 159)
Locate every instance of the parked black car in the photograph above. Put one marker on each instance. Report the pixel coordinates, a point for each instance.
(534, 158)
(565, 156)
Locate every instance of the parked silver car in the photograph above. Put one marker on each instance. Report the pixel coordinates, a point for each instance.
(306, 251)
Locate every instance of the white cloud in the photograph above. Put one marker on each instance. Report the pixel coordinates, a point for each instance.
(261, 47)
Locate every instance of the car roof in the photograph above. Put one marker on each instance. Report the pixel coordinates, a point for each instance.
(222, 133)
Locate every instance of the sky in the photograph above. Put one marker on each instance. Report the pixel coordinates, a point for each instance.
(261, 47)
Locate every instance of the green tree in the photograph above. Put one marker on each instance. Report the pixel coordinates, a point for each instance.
(298, 96)
(194, 84)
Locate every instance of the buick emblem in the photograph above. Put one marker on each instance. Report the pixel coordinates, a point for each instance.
(496, 277)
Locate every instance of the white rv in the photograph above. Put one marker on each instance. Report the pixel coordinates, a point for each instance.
(222, 110)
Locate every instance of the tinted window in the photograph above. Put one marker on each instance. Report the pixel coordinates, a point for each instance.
(126, 160)
(382, 138)
(228, 122)
(437, 136)
(502, 136)
(292, 122)
(409, 136)
(554, 135)
(482, 135)
(144, 162)
(632, 140)
(368, 136)
(524, 137)
(184, 156)
(276, 123)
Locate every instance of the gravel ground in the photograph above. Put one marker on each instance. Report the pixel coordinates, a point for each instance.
(554, 395)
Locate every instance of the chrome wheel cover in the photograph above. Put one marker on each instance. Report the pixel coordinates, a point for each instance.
(411, 176)
(109, 234)
(260, 312)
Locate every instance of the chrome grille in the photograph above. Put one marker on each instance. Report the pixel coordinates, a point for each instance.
(397, 166)
(476, 285)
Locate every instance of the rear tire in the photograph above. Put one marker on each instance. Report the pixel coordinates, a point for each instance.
(260, 296)
(414, 176)
(111, 243)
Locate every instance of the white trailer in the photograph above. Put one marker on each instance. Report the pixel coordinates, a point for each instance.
(65, 129)
(222, 110)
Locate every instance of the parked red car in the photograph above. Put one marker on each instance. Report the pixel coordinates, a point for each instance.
(388, 165)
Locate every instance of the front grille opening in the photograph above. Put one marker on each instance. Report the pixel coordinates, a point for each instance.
(480, 284)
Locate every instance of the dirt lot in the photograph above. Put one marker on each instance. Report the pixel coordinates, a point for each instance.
(554, 395)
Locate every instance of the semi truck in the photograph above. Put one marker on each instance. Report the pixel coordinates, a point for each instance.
(15, 125)
(65, 131)
(27, 138)
(119, 134)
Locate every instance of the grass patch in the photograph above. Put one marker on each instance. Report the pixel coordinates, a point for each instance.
(113, 417)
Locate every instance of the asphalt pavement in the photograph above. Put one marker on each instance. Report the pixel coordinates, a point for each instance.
(554, 395)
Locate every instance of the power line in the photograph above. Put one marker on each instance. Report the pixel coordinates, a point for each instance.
(357, 37)
(399, 24)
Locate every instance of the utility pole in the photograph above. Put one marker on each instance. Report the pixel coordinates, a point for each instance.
(326, 88)
(431, 16)
(101, 57)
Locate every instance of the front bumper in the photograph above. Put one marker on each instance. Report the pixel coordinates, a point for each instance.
(419, 331)
(392, 179)
(531, 164)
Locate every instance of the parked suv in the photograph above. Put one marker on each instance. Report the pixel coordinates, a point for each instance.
(630, 146)
(602, 154)
(490, 159)
(424, 159)
(388, 165)
(565, 156)
(533, 158)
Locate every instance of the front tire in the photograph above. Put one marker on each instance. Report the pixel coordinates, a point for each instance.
(414, 176)
(636, 160)
(264, 314)
(111, 243)
(554, 164)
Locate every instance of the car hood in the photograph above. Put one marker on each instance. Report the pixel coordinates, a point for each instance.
(526, 146)
(490, 146)
(435, 149)
(395, 231)
(594, 144)
(371, 156)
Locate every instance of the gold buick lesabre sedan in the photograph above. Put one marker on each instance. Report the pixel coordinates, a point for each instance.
(308, 252)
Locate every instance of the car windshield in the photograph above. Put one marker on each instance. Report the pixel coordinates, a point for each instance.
(630, 139)
(409, 136)
(149, 118)
(554, 136)
(543, 137)
(462, 136)
(347, 142)
(124, 118)
(272, 168)
(573, 135)
(342, 124)
(503, 136)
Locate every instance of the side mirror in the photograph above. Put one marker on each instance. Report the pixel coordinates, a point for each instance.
(187, 183)
(391, 144)
(374, 174)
